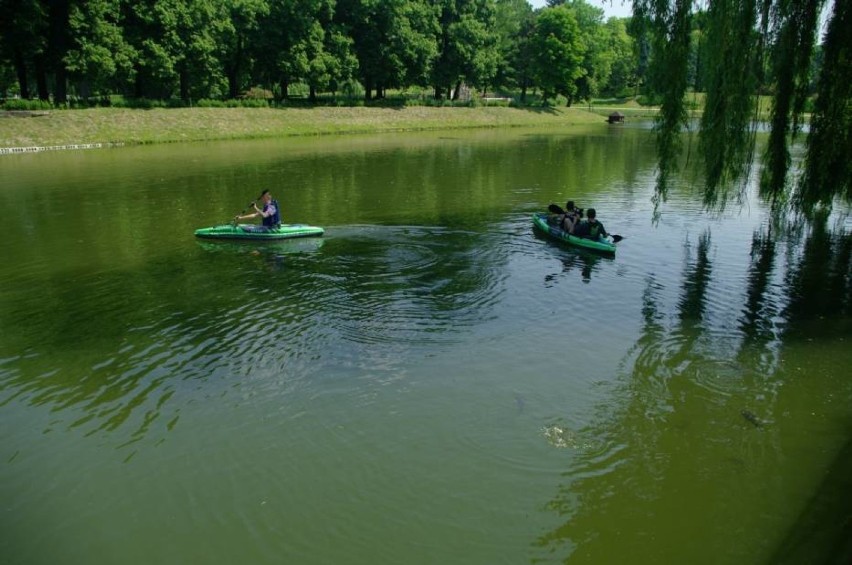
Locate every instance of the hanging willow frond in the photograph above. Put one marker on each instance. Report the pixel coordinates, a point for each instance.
(795, 22)
(669, 22)
(828, 172)
(750, 41)
(728, 125)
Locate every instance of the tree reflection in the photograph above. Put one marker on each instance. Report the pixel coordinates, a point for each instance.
(674, 438)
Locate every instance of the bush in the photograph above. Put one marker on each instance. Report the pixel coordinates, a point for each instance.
(139, 103)
(257, 93)
(647, 100)
(27, 105)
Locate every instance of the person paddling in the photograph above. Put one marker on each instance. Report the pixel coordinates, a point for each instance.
(270, 213)
(591, 228)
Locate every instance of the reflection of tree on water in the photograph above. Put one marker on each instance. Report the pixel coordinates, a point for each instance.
(615, 486)
(820, 286)
(757, 320)
(676, 438)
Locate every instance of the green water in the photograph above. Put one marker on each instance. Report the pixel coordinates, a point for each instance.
(432, 381)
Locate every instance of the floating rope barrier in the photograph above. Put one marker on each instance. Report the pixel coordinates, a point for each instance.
(14, 150)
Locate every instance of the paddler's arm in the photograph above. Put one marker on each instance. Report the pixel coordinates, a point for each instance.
(248, 216)
(270, 209)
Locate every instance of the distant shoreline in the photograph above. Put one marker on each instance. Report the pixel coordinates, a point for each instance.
(109, 127)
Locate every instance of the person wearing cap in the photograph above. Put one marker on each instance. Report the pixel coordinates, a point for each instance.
(270, 213)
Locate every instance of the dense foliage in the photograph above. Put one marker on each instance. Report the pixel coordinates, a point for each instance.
(217, 49)
(68, 51)
(735, 51)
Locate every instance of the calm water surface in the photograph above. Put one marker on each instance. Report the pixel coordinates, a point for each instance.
(432, 381)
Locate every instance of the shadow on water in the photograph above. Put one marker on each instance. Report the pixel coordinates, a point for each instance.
(573, 259)
(705, 411)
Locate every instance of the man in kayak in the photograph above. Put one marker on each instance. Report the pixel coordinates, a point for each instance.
(571, 218)
(591, 228)
(270, 212)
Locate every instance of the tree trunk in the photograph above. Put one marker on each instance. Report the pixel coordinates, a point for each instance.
(21, 71)
(60, 89)
(232, 84)
(184, 83)
(57, 47)
(138, 91)
(312, 93)
(458, 89)
(41, 78)
(233, 71)
(285, 88)
(368, 88)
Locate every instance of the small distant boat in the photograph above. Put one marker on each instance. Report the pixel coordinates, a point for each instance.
(603, 245)
(259, 233)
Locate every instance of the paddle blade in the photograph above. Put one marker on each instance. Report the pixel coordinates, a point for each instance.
(554, 209)
(616, 238)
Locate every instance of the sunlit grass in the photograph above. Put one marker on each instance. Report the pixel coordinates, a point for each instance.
(135, 126)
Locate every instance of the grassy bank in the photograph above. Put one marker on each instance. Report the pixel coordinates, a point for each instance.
(131, 126)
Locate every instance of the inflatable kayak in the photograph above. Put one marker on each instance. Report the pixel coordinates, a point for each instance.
(254, 232)
(603, 245)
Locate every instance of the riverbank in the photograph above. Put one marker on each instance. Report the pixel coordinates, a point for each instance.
(122, 126)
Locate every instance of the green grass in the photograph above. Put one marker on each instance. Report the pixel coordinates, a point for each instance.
(160, 125)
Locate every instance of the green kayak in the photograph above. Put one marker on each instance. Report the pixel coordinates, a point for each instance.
(555, 232)
(258, 233)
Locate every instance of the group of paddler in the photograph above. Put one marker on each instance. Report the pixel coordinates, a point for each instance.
(570, 220)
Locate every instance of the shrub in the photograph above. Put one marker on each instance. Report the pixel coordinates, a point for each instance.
(257, 93)
(29, 105)
(209, 103)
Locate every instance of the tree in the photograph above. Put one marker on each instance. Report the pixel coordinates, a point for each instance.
(624, 70)
(22, 37)
(298, 40)
(727, 141)
(746, 37)
(145, 30)
(597, 61)
(513, 26)
(394, 41)
(795, 24)
(467, 45)
(828, 173)
(668, 24)
(240, 27)
(559, 50)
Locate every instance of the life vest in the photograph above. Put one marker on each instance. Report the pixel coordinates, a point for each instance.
(594, 230)
(274, 219)
(588, 230)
